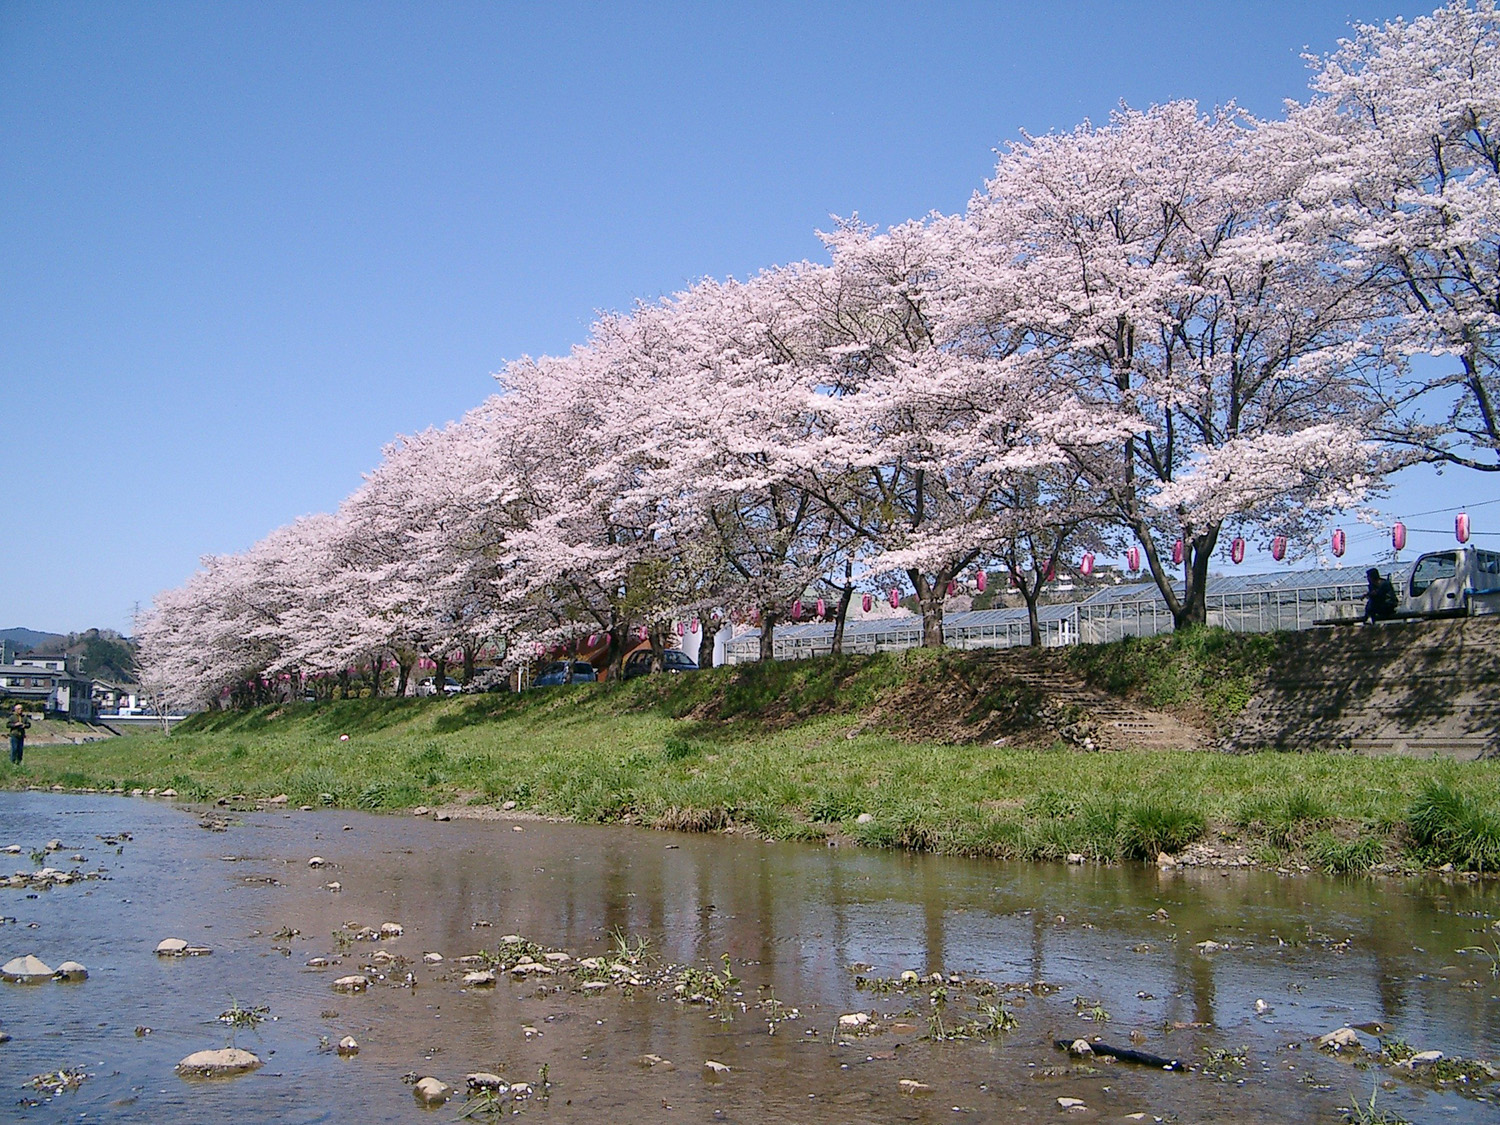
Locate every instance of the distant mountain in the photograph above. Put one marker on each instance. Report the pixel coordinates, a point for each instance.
(30, 638)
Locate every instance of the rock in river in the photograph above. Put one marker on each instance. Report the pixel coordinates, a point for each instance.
(218, 1064)
(171, 947)
(358, 982)
(348, 1045)
(71, 971)
(25, 970)
(429, 1091)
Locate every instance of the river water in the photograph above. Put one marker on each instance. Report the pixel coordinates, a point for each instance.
(1319, 953)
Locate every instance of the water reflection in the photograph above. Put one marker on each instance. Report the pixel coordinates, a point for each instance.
(1320, 952)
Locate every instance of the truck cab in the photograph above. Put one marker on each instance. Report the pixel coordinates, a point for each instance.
(1462, 582)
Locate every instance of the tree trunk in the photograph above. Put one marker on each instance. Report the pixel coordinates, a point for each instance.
(344, 683)
(1192, 613)
(440, 676)
(403, 669)
(617, 651)
(710, 629)
(1032, 596)
(842, 613)
(930, 598)
(375, 670)
(471, 651)
(767, 636)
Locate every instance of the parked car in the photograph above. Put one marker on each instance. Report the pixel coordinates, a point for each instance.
(429, 686)
(638, 663)
(556, 673)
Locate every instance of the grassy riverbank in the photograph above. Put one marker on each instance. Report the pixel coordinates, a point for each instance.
(830, 748)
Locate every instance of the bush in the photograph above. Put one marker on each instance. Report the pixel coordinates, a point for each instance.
(1450, 826)
(1340, 857)
(1149, 828)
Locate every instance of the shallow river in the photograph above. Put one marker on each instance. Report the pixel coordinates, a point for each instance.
(1319, 953)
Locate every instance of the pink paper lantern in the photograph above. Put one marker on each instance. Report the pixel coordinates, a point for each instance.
(593, 639)
(895, 598)
(981, 580)
(1339, 542)
(822, 608)
(952, 588)
(866, 602)
(1398, 536)
(1179, 552)
(1050, 573)
(1086, 564)
(1461, 527)
(1278, 548)
(693, 625)
(1133, 558)
(679, 629)
(1237, 550)
(645, 634)
(797, 610)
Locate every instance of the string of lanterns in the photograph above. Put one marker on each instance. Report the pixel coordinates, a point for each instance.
(1338, 544)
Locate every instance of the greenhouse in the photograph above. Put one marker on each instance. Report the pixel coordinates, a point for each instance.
(987, 628)
(1250, 603)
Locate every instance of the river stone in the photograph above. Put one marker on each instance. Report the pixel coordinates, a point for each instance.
(348, 1045)
(218, 1064)
(391, 929)
(279, 799)
(357, 982)
(420, 810)
(655, 1062)
(1210, 946)
(484, 1080)
(1423, 1058)
(1343, 1039)
(913, 1087)
(25, 970)
(318, 962)
(334, 886)
(316, 861)
(1080, 1048)
(714, 1071)
(1077, 858)
(382, 957)
(1071, 1103)
(854, 1020)
(429, 1091)
(169, 792)
(171, 947)
(432, 958)
(53, 846)
(11, 849)
(71, 970)
(480, 978)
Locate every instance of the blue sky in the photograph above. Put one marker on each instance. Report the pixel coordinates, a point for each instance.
(242, 246)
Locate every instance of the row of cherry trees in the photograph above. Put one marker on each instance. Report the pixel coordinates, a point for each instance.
(1175, 326)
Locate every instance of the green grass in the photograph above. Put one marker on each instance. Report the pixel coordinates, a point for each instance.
(1212, 671)
(791, 751)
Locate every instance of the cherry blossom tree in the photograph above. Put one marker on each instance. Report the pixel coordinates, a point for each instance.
(1406, 117)
(1173, 300)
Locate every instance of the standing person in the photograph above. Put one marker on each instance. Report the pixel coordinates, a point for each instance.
(18, 725)
(1380, 599)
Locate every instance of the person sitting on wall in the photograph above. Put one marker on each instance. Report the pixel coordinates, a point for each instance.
(1380, 599)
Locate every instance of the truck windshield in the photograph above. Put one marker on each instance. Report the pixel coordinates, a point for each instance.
(1432, 568)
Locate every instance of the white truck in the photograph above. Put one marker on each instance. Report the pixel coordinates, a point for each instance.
(1462, 582)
